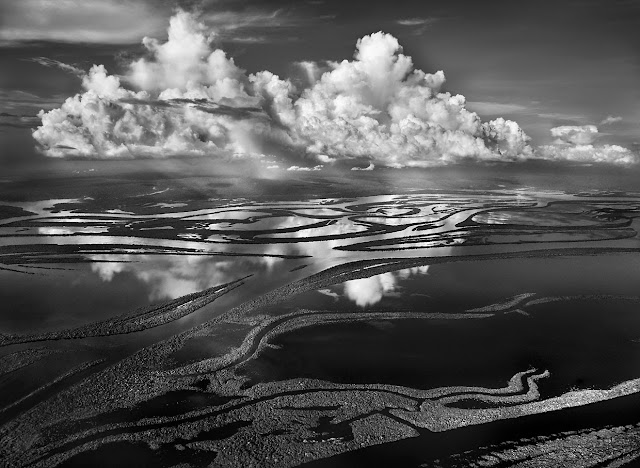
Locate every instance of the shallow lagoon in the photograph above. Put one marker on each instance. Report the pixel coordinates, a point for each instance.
(197, 322)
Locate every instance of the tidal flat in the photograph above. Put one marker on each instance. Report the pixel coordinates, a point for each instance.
(157, 321)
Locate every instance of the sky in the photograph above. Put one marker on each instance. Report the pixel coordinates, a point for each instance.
(549, 80)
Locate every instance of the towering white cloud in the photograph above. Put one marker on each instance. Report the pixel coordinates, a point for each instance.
(186, 67)
(379, 107)
(186, 97)
(101, 123)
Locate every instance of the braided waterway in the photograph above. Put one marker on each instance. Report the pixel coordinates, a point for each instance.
(240, 332)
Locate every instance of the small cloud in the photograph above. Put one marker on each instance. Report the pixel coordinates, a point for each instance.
(560, 116)
(575, 134)
(611, 120)
(419, 25)
(323, 158)
(495, 108)
(305, 169)
(51, 63)
(415, 21)
(248, 39)
(370, 167)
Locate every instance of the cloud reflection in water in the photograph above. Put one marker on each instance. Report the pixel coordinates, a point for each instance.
(173, 276)
(369, 291)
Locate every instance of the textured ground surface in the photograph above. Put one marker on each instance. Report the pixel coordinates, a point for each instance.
(466, 328)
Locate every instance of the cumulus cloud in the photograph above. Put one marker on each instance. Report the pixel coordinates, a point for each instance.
(370, 167)
(610, 154)
(185, 67)
(574, 144)
(380, 108)
(575, 134)
(186, 97)
(171, 106)
(610, 119)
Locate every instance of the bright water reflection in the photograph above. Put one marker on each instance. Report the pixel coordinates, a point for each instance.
(369, 291)
(124, 291)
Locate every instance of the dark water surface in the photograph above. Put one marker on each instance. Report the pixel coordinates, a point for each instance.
(150, 319)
